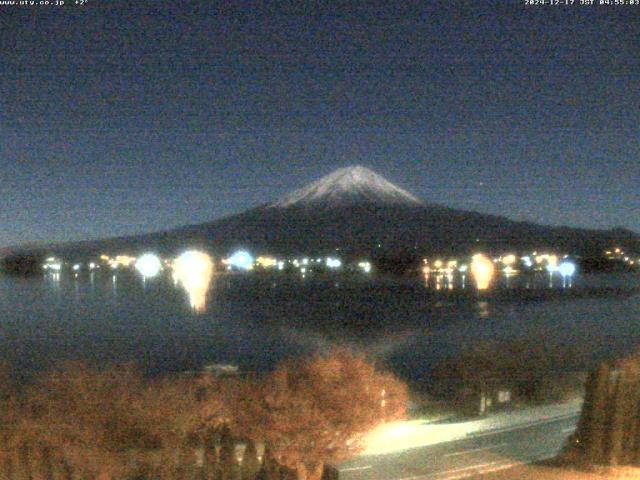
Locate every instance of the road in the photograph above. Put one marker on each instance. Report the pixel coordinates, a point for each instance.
(483, 452)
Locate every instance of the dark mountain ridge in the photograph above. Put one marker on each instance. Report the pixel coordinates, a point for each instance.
(357, 212)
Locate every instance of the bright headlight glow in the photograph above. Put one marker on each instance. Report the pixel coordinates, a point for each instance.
(148, 265)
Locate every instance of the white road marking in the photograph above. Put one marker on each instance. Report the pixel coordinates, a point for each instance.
(567, 430)
(353, 469)
(462, 452)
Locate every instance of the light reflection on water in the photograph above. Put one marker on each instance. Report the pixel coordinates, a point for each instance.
(441, 281)
(193, 270)
(255, 321)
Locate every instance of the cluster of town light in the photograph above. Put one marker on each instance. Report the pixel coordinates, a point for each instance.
(193, 270)
(620, 255)
(483, 268)
(149, 264)
(52, 264)
(302, 264)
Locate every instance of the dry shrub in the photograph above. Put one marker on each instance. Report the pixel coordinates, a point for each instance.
(98, 421)
(315, 411)
(531, 369)
(114, 423)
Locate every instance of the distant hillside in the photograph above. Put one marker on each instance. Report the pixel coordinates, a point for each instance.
(358, 212)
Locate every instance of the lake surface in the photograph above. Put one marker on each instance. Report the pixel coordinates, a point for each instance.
(254, 322)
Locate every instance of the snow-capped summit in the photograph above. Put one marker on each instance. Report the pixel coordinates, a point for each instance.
(348, 186)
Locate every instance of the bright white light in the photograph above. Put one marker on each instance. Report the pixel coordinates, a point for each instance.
(552, 268)
(508, 270)
(76, 267)
(125, 260)
(241, 259)
(527, 261)
(52, 263)
(266, 262)
(463, 268)
(333, 262)
(194, 270)
(92, 266)
(365, 266)
(567, 269)
(509, 259)
(148, 265)
(482, 270)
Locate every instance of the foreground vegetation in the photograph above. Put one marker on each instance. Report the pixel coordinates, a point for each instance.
(533, 371)
(80, 422)
(609, 429)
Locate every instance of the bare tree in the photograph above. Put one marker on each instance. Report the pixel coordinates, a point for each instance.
(315, 411)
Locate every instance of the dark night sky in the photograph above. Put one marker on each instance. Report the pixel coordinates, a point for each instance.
(127, 117)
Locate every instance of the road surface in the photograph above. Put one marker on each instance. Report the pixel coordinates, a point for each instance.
(483, 452)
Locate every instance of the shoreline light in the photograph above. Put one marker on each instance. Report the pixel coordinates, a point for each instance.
(148, 265)
(567, 269)
(333, 262)
(509, 259)
(194, 270)
(241, 259)
(266, 262)
(365, 266)
(552, 269)
(482, 270)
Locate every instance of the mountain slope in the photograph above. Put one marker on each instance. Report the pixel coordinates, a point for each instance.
(358, 212)
(349, 186)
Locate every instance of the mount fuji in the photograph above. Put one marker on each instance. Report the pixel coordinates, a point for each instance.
(358, 212)
(349, 186)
